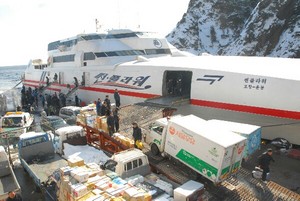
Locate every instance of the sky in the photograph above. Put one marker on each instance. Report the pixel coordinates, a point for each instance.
(28, 26)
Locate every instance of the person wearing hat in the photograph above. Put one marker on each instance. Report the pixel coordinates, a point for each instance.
(137, 133)
(264, 162)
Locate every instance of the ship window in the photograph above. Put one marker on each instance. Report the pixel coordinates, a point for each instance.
(100, 54)
(92, 37)
(56, 44)
(111, 54)
(66, 58)
(89, 56)
(158, 51)
(123, 35)
(53, 45)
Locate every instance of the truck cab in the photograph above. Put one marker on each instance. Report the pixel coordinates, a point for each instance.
(157, 136)
(35, 146)
(128, 163)
(37, 157)
(16, 123)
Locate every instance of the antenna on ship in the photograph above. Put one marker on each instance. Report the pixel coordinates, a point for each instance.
(98, 26)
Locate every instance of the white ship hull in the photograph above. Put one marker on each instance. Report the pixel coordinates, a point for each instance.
(260, 91)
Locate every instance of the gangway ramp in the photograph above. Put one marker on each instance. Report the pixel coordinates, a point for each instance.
(72, 91)
(168, 100)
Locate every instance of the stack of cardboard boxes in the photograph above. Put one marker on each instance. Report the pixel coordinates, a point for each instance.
(80, 181)
(87, 115)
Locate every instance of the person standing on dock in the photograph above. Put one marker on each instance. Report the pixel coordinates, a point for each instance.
(107, 101)
(137, 133)
(264, 162)
(76, 100)
(117, 98)
(110, 124)
(98, 107)
(116, 119)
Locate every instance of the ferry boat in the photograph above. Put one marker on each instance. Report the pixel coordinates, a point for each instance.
(145, 67)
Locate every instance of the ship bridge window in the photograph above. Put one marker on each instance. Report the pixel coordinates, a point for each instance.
(66, 58)
(158, 51)
(55, 45)
(111, 54)
(92, 37)
(122, 35)
(88, 56)
(100, 54)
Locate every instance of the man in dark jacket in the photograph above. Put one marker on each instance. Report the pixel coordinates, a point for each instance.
(137, 133)
(117, 98)
(98, 106)
(117, 119)
(264, 162)
(110, 124)
(107, 101)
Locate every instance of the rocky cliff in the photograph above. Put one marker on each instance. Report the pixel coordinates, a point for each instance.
(240, 27)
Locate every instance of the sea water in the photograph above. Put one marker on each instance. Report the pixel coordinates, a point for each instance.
(10, 76)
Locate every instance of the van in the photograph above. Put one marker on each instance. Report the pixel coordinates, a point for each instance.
(69, 114)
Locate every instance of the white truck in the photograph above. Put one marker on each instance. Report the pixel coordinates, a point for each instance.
(251, 132)
(13, 124)
(18, 121)
(128, 163)
(8, 181)
(213, 152)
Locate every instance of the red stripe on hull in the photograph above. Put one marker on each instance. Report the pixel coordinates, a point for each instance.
(36, 85)
(250, 109)
(126, 93)
(100, 90)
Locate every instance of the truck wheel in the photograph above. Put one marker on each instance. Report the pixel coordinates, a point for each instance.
(154, 149)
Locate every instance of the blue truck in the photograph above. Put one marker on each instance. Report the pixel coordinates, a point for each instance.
(38, 158)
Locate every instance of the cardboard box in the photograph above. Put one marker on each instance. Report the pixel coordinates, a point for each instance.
(75, 161)
(64, 171)
(78, 190)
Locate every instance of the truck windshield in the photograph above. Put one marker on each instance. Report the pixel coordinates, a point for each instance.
(10, 122)
(31, 141)
(158, 129)
(57, 123)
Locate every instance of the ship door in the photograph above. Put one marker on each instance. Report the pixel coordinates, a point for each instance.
(61, 78)
(85, 80)
(177, 83)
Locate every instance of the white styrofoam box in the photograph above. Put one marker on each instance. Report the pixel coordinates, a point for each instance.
(165, 186)
(187, 189)
(135, 179)
(163, 197)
